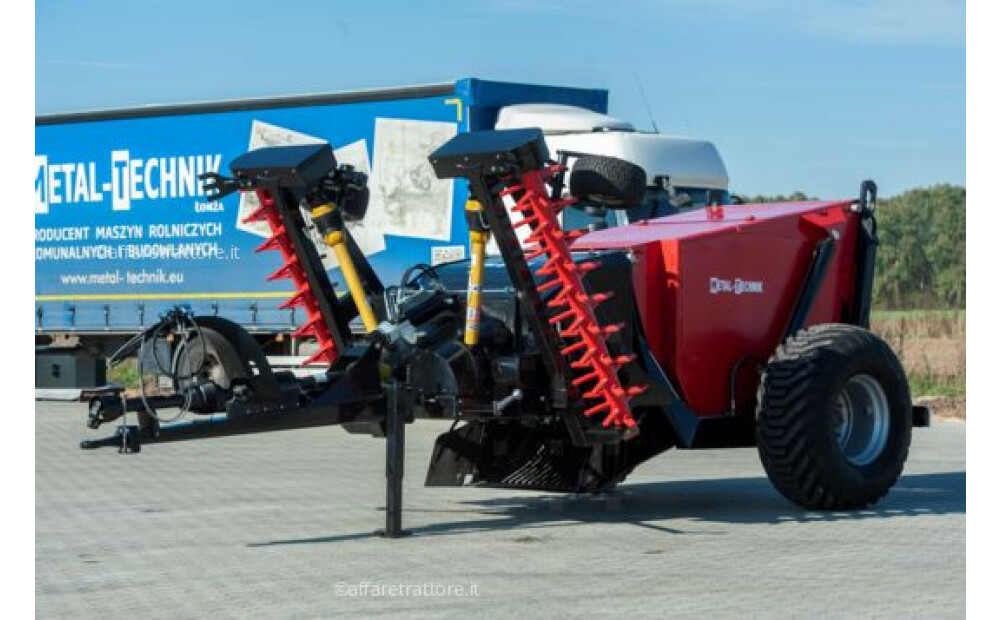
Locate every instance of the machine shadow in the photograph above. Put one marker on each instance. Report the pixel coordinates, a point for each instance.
(731, 501)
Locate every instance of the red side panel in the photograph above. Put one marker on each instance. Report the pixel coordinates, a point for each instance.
(716, 290)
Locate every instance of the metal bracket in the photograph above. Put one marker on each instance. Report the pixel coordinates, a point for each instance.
(217, 186)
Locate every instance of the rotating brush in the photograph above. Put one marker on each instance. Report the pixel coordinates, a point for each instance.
(314, 325)
(571, 307)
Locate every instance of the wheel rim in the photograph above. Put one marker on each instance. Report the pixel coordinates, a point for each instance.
(861, 426)
(212, 370)
(206, 362)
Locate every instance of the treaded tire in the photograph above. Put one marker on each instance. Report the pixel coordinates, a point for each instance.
(797, 416)
(614, 182)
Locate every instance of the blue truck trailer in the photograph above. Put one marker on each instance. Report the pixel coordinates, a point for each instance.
(123, 230)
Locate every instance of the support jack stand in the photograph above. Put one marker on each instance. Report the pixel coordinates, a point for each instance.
(395, 445)
(126, 438)
(129, 437)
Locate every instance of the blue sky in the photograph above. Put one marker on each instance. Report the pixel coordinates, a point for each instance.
(811, 95)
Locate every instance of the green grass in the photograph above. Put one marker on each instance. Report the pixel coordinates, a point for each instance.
(930, 385)
(897, 315)
(931, 346)
(125, 374)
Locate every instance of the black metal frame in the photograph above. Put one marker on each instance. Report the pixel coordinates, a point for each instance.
(359, 392)
(865, 257)
(811, 285)
(486, 159)
(520, 274)
(867, 244)
(336, 314)
(397, 408)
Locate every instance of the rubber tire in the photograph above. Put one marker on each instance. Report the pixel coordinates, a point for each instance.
(614, 182)
(796, 417)
(230, 367)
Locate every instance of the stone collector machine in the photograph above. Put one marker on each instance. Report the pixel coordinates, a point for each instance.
(573, 358)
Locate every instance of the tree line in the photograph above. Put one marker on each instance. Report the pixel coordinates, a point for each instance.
(921, 256)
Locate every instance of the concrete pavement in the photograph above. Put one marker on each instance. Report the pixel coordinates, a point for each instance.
(279, 525)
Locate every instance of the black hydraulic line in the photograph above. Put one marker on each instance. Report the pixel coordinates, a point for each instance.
(811, 285)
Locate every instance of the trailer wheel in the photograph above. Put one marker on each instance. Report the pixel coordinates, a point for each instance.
(834, 418)
(613, 182)
(208, 355)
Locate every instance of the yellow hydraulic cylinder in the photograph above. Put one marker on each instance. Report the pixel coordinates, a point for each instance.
(336, 240)
(478, 240)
